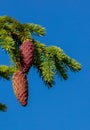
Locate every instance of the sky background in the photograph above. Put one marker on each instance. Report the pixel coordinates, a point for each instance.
(67, 105)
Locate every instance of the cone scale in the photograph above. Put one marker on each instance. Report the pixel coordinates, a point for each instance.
(20, 87)
(26, 55)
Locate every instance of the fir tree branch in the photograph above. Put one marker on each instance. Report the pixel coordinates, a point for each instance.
(61, 69)
(57, 55)
(9, 45)
(63, 62)
(12, 30)
(14, 27)
(59, 58)
(26, 34)
(6, 71)
(39, 55)
(48, 70)
(47, 60)
(44, 63)
(71, 63)
(10, 22)
(3, 107)
(23, 31)
(36, 29)
(57, 52)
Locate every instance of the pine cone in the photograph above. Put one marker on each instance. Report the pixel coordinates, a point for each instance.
(20, 87)
(26, 55)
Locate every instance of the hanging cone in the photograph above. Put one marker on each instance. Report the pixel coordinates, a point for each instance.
(20, 87)
(26, 55)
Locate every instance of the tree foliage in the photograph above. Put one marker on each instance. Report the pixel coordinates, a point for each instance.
(48, 60)
(3, 107)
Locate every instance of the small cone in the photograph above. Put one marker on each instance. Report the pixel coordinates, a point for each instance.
(26, 55)
(20, 87)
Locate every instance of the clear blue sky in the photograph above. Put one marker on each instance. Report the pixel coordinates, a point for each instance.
(67, 105)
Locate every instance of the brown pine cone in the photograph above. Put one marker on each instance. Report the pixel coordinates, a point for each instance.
(20, 87)
(26, 55)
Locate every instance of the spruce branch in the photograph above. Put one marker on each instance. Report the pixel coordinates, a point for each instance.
(11, 22)
(3, 107)
(48, 70)
(39, 55)
(67, 61)
(36, 29)
(6, 71)
(56, 55)
(20, 31)
(49, 61)
(61, 69)
(13, 31)
(8, 44)
(72, 63)
(42, 63)
(14, 27)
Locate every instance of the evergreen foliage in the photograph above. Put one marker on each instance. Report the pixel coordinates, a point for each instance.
(6, 71)
(3, 107)
(51, 61)
(48, 60)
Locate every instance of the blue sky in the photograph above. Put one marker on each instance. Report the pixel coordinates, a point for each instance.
(67, 105)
